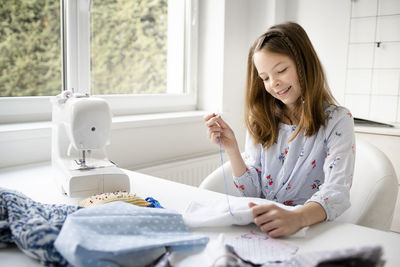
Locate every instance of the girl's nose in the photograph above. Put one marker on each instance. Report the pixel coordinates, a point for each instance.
(275, 82)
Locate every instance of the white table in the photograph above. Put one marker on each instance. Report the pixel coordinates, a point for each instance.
(36, 181)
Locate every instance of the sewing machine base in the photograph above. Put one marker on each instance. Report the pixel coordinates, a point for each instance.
(85, 183)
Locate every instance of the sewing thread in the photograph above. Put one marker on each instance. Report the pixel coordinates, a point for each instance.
(223, 173)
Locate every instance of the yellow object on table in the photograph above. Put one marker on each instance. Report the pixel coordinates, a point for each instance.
(104, 198)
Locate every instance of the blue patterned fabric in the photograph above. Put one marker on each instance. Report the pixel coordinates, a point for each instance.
(32, 226)
(120, 234)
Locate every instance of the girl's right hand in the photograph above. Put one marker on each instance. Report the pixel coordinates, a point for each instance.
(217, 127)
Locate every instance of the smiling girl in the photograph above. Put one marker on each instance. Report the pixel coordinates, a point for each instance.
(300, 145)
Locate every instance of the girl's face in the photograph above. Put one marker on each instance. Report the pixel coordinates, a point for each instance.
(279, 74)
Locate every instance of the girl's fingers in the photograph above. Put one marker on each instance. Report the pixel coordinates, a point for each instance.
(213, 136)
(214, 130)
(217, 120)
(252, 204)
(261, 209)
(217, 127)
(268, 227)
(212, 121)
(209, 116)
(221, 122)
(276, 233)
(264, 218)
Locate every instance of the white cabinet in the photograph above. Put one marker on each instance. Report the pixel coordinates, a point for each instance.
(373, 60)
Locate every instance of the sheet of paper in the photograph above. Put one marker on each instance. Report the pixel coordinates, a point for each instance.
(259, 248)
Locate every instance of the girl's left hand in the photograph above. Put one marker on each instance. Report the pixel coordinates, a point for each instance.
(274, 220)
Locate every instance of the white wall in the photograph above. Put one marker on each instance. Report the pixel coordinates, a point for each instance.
(227, 29)
(327, 24)
(226, 34)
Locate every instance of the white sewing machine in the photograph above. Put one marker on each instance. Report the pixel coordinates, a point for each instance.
(80, 133)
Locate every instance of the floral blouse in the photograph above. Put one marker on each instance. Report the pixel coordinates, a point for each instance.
(318, 168)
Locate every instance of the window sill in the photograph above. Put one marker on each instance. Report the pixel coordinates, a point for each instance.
(158, 119)
(15, 131)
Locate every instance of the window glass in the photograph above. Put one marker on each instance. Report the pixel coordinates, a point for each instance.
(128, 47)
(30, 50)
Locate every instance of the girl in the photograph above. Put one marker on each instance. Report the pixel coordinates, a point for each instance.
(300, 146)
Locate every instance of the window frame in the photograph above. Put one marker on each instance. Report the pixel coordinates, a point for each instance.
(75, 39)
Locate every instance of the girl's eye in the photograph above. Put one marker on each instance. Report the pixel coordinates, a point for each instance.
(282, 71)
(265, 79)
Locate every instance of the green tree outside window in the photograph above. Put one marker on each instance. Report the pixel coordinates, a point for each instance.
(128, 47)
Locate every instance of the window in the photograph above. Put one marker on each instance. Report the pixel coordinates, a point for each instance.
(30, 48)
(139, 55)
(128, 47)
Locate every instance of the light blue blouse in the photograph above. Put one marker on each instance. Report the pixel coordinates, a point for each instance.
(318, 168)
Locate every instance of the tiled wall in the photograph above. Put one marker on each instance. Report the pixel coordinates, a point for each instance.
(373, 61)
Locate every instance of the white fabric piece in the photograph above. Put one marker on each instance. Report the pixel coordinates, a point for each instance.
(216, 213)
(213, 255)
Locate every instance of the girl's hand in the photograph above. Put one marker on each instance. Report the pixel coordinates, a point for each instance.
(276, 221)
(217, 127)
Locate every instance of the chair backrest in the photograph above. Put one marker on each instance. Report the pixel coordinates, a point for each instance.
(373, 194)
(215, 181)
(374, 190)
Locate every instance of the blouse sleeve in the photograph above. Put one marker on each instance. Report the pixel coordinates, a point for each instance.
(249, 183)
(334, 194)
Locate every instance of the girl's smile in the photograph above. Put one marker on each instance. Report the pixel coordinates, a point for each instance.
(284, 92)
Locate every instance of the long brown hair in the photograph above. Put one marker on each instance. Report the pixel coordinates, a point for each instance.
(263, 112)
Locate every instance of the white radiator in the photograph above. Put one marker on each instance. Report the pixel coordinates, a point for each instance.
(191, 171)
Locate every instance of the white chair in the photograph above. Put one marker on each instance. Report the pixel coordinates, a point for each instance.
(373, 194)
